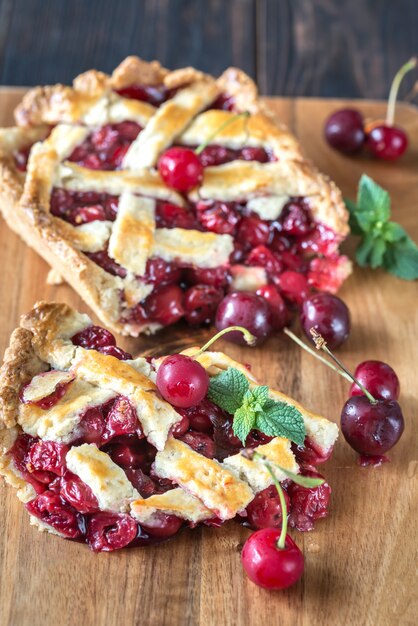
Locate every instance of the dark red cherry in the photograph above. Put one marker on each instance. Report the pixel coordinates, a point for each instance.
(78, 494)
(307, 504)
(200, 442)
(371, 429)
(344, 131)
(47, 456)
(293, 285)
(165, 305)
(93, 338)
(378, 378)
(246, 309)
(329, 316)
(265, 510)
(279, 314)
(200, 302)
(387, 142)
(51, 509)
(295, 219)
(269, 566)
(180, 169)
(182, 381)
(110, 531)
(164, 526)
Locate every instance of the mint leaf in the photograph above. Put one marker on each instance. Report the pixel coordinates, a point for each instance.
(244, 421)
(383, 243)
(304, 481)
(260, 395)
(364, 250)
(353, 223)
(252, 408)
(373, 200)
(279, 419)
(228, 389)
(377, 252)
(401, 259)
(393, 232)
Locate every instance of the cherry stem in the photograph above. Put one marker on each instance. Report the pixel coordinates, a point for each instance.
(315, 354)
(321, 344)
(220, 128)
(281, 543)
(393, 94)
(249, 338)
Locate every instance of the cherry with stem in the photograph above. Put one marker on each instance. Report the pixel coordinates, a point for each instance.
(371, 426)
(270, 557)
(181, 168)
(181, 379)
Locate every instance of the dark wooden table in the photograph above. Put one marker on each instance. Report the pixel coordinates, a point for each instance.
(339, 48)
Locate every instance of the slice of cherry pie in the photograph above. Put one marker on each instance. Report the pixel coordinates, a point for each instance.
(98, 456)
(141, 254)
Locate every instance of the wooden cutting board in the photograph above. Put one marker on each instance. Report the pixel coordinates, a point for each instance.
(360, 561)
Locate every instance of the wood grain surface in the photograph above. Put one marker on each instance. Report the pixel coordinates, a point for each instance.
(360, 561)
(337, 48)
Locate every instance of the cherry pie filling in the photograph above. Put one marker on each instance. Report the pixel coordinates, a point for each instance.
(68, 505)
(296, 253)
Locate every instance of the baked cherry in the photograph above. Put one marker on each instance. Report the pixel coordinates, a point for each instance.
(245, 309)
(329, 316)
(200, 442)
(110, 531)
(344, 131)
(378, 378)
(269, 566)
(295, 219)
(180, 168)
(371, 428)
(163, 525)
(165, 305)
(265, 510)
(78, 494)
(182, 381)
(93, 338)
(293, 285)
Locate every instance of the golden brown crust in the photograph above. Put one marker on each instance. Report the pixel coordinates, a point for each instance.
(21, 363)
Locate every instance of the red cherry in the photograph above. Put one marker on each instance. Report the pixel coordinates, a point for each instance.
(371, 429)
(93, 338)
(269, 566)
(294, 286)
(200, 442)
(180, 169)
(279, 315)
(344, 131)
(182, 381)
(265, 510)
(387, 142)
(378, 378)
(110, 531)
(245, 309)
(164, 526)
(78, 494)
(329, 316)
(165, 305)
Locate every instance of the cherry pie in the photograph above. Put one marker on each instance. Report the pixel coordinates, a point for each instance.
(99, 457)
(80, 184)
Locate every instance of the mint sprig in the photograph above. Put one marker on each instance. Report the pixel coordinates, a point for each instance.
(252, 408)
(383, 243)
